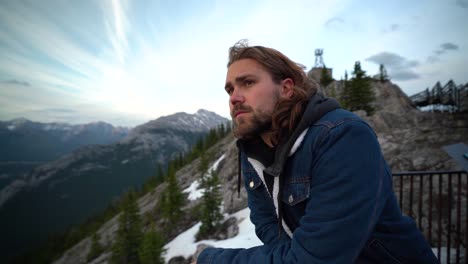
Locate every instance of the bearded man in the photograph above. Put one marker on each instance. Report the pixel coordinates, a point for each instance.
(319, 189)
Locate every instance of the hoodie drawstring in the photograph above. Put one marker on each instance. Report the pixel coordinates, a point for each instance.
(239, 169)
(280, 207)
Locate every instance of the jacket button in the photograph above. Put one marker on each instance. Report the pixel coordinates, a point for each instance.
(251, 184)
(290, 199)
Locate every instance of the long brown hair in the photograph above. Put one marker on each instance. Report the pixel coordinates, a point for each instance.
(288, 111)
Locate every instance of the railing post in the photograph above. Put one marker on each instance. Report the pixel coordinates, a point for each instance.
(439, 222)
(411, 197)
(449, 224)
(401, 193)
(458, 217)
(430, 209)
(420, 201)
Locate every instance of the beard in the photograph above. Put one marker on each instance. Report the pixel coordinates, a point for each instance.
(256, 122)
(259, 122)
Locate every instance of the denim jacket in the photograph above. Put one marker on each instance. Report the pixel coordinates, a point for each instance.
(337, 199)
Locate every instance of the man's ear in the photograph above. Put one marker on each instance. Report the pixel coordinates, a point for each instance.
(287, 86)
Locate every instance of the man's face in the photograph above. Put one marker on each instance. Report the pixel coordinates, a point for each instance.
(252, 97)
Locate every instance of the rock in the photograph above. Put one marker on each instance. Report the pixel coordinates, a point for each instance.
(179, 260)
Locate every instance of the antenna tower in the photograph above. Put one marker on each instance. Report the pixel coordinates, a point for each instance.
(319, 58)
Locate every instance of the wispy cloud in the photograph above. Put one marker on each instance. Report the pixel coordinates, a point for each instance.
(23, 83)
(442, 49)
(392, 28)
(399, 68)
(462, 3)
(336, 24)
(150, 58)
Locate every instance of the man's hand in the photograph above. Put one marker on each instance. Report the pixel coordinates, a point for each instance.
(200, 248)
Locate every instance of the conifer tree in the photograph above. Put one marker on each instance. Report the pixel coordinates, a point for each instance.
(325, 78)
(383, 76)
(129, 234)
(345, 92)
(211, 216)
(152, 247)
(360, 91)
(172, 199)
(96, 248)
(221, 131)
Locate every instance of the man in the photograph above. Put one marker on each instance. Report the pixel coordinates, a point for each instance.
(319, 189)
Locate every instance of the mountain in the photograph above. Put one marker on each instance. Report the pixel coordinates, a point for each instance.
(27, 144)
(68, 190)
(410, 140)
(24, 140)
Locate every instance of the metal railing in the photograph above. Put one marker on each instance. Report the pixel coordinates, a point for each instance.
(437, 201)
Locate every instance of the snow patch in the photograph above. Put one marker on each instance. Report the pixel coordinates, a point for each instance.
(11, 127)
(194, 192)
(216, 163)
(125, 161)
(185, 245)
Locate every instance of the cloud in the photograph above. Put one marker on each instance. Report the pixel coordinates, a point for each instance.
(443, 48)
(404, 75)
(335, 23)
(462, 3)
(392, 28)
(399, 68)
(449, 46)
(433, 59)
(392, 60)
(16, 82)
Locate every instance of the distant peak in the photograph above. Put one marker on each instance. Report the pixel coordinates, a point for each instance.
(203, 111)
(20, 120)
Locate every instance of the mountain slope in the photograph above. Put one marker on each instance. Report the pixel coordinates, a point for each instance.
(68, 190)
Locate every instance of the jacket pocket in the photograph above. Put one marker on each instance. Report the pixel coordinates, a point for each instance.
(296, 191)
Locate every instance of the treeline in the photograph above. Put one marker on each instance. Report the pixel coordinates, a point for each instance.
(57, 244)
(356, 93)
(132, 245)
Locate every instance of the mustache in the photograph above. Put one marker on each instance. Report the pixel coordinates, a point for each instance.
(239, 108)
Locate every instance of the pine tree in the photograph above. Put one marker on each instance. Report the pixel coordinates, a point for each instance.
(172, 199)
(129, 234)
(360, 91)
(96, 248)
(152, 247)
(383, 76)
(211, 216)
(325, 78)
(345, 94)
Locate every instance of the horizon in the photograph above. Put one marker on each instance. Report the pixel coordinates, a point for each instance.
(105, 122)
(119, 61)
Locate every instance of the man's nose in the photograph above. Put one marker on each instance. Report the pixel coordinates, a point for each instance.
(236, 97)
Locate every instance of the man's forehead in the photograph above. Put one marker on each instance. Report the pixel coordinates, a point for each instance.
(243, 68)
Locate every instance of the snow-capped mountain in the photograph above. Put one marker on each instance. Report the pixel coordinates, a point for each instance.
(70, 189)
(24, 140)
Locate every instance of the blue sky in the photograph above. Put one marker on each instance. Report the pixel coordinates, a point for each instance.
(127, 62)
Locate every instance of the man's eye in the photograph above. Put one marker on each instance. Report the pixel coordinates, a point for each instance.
(249, 83)
(229, 91)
